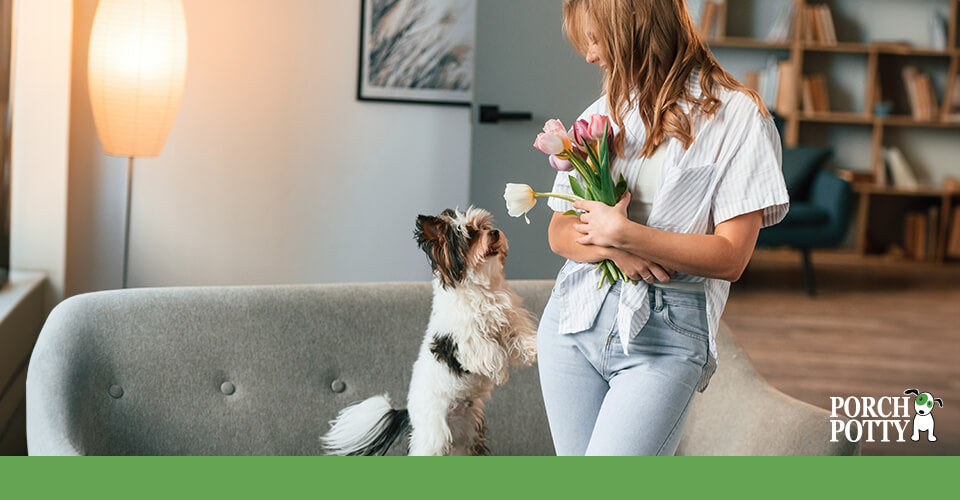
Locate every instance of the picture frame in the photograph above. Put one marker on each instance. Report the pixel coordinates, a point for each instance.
(417, 51)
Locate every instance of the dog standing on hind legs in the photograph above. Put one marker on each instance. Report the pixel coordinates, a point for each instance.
(478, 328)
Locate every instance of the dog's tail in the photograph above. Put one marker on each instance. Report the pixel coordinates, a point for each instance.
(366, 428)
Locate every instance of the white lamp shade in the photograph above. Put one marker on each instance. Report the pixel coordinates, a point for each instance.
(137, 66)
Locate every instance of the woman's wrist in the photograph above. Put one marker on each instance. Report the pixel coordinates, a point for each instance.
(609, 253)
(625, 235)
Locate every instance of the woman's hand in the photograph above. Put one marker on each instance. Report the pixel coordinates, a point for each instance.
(602, 225)
(638, 268)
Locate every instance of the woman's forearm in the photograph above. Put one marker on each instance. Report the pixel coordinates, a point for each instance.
(563, 241)
(723, 255)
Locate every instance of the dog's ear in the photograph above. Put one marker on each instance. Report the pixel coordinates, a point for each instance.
(939, 401)
(445, 247)
(428, 229)
(912, 391)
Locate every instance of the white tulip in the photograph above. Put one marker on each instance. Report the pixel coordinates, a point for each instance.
(520, 200)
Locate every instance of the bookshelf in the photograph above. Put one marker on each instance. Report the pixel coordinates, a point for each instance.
(887, 210)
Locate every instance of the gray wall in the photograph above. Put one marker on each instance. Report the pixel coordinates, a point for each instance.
(273, 171)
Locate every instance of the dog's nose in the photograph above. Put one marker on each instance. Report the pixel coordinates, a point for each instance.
(495, 235)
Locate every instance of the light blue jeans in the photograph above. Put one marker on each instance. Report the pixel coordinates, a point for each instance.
(602, 402)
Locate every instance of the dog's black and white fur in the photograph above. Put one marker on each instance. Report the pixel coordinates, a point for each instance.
(478, 328)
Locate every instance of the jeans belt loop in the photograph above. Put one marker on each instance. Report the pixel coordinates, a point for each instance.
(658, 295)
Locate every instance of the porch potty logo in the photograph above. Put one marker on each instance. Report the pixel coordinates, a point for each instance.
(880, 419)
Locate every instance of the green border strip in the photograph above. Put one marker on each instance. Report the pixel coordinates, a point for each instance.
(486, 478)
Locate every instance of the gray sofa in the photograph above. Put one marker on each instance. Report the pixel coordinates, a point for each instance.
(261, 370)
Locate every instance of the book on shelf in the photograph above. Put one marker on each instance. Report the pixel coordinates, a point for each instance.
(711, 19)
(765, 81)
(933, 227)
(901, 173)
(783, 25)
(818, 25)
(920, 234)
(939, 26)
(815, 96)
(826, 23)
(915, 235)
(953, 236)
(751, 80)
(920, 93)
(769, 81)
(786, 96)
(953, 107)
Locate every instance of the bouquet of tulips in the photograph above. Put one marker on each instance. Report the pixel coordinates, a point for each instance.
(586, 149)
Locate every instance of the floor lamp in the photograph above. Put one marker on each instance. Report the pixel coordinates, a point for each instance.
(137, 65)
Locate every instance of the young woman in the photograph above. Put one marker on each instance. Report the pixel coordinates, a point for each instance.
(619, 365)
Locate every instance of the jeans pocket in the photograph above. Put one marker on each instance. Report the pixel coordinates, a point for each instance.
(686, 320)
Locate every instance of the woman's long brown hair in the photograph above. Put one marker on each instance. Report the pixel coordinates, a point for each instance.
(651, 47)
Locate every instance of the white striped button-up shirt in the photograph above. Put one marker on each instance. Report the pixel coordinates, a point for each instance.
(732, 168)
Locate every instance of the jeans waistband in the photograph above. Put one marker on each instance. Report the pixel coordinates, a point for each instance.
(675, 296)
(665, 295)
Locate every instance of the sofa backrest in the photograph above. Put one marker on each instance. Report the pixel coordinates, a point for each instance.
(240, 370)
(261, 371)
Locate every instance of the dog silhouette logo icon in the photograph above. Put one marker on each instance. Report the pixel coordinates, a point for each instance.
(923, 421)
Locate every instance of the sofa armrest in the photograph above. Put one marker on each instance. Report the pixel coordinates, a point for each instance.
(763, 421)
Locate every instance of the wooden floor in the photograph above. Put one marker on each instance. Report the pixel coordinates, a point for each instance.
(875, 328)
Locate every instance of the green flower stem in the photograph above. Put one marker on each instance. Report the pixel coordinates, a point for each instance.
(563, 196)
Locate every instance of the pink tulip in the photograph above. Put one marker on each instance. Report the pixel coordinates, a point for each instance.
(554, 127)
(598, 125)
(549, 143)
(560, 165)
(581, 132)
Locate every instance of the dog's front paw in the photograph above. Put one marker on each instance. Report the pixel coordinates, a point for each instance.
(528, 350)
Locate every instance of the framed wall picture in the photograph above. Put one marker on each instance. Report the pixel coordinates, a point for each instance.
(417, 51)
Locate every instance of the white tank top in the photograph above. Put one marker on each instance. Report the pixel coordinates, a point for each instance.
(641, 201)
(648, 180)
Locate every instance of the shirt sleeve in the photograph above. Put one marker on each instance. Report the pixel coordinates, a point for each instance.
(753, 179)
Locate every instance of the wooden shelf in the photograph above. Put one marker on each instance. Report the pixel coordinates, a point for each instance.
(908, 121)
(919, 191)
(837, 117)
(842, 47)
(850, 118)
(880, 48)
(748, 43)
(853, 48)
(878, 54)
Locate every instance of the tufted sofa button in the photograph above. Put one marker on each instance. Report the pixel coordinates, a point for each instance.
(338, 385)
(228, 388)
(115, 391)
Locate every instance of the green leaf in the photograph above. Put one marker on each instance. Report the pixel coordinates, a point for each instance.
(606, 186)
(621, 187)
(605, 190)
(604, 149)
(572, 212)
(576, 187)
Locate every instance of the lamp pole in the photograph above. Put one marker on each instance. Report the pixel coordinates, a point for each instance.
(126, 226)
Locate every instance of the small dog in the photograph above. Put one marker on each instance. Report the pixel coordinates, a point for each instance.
(478, 328)
(923, 405)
